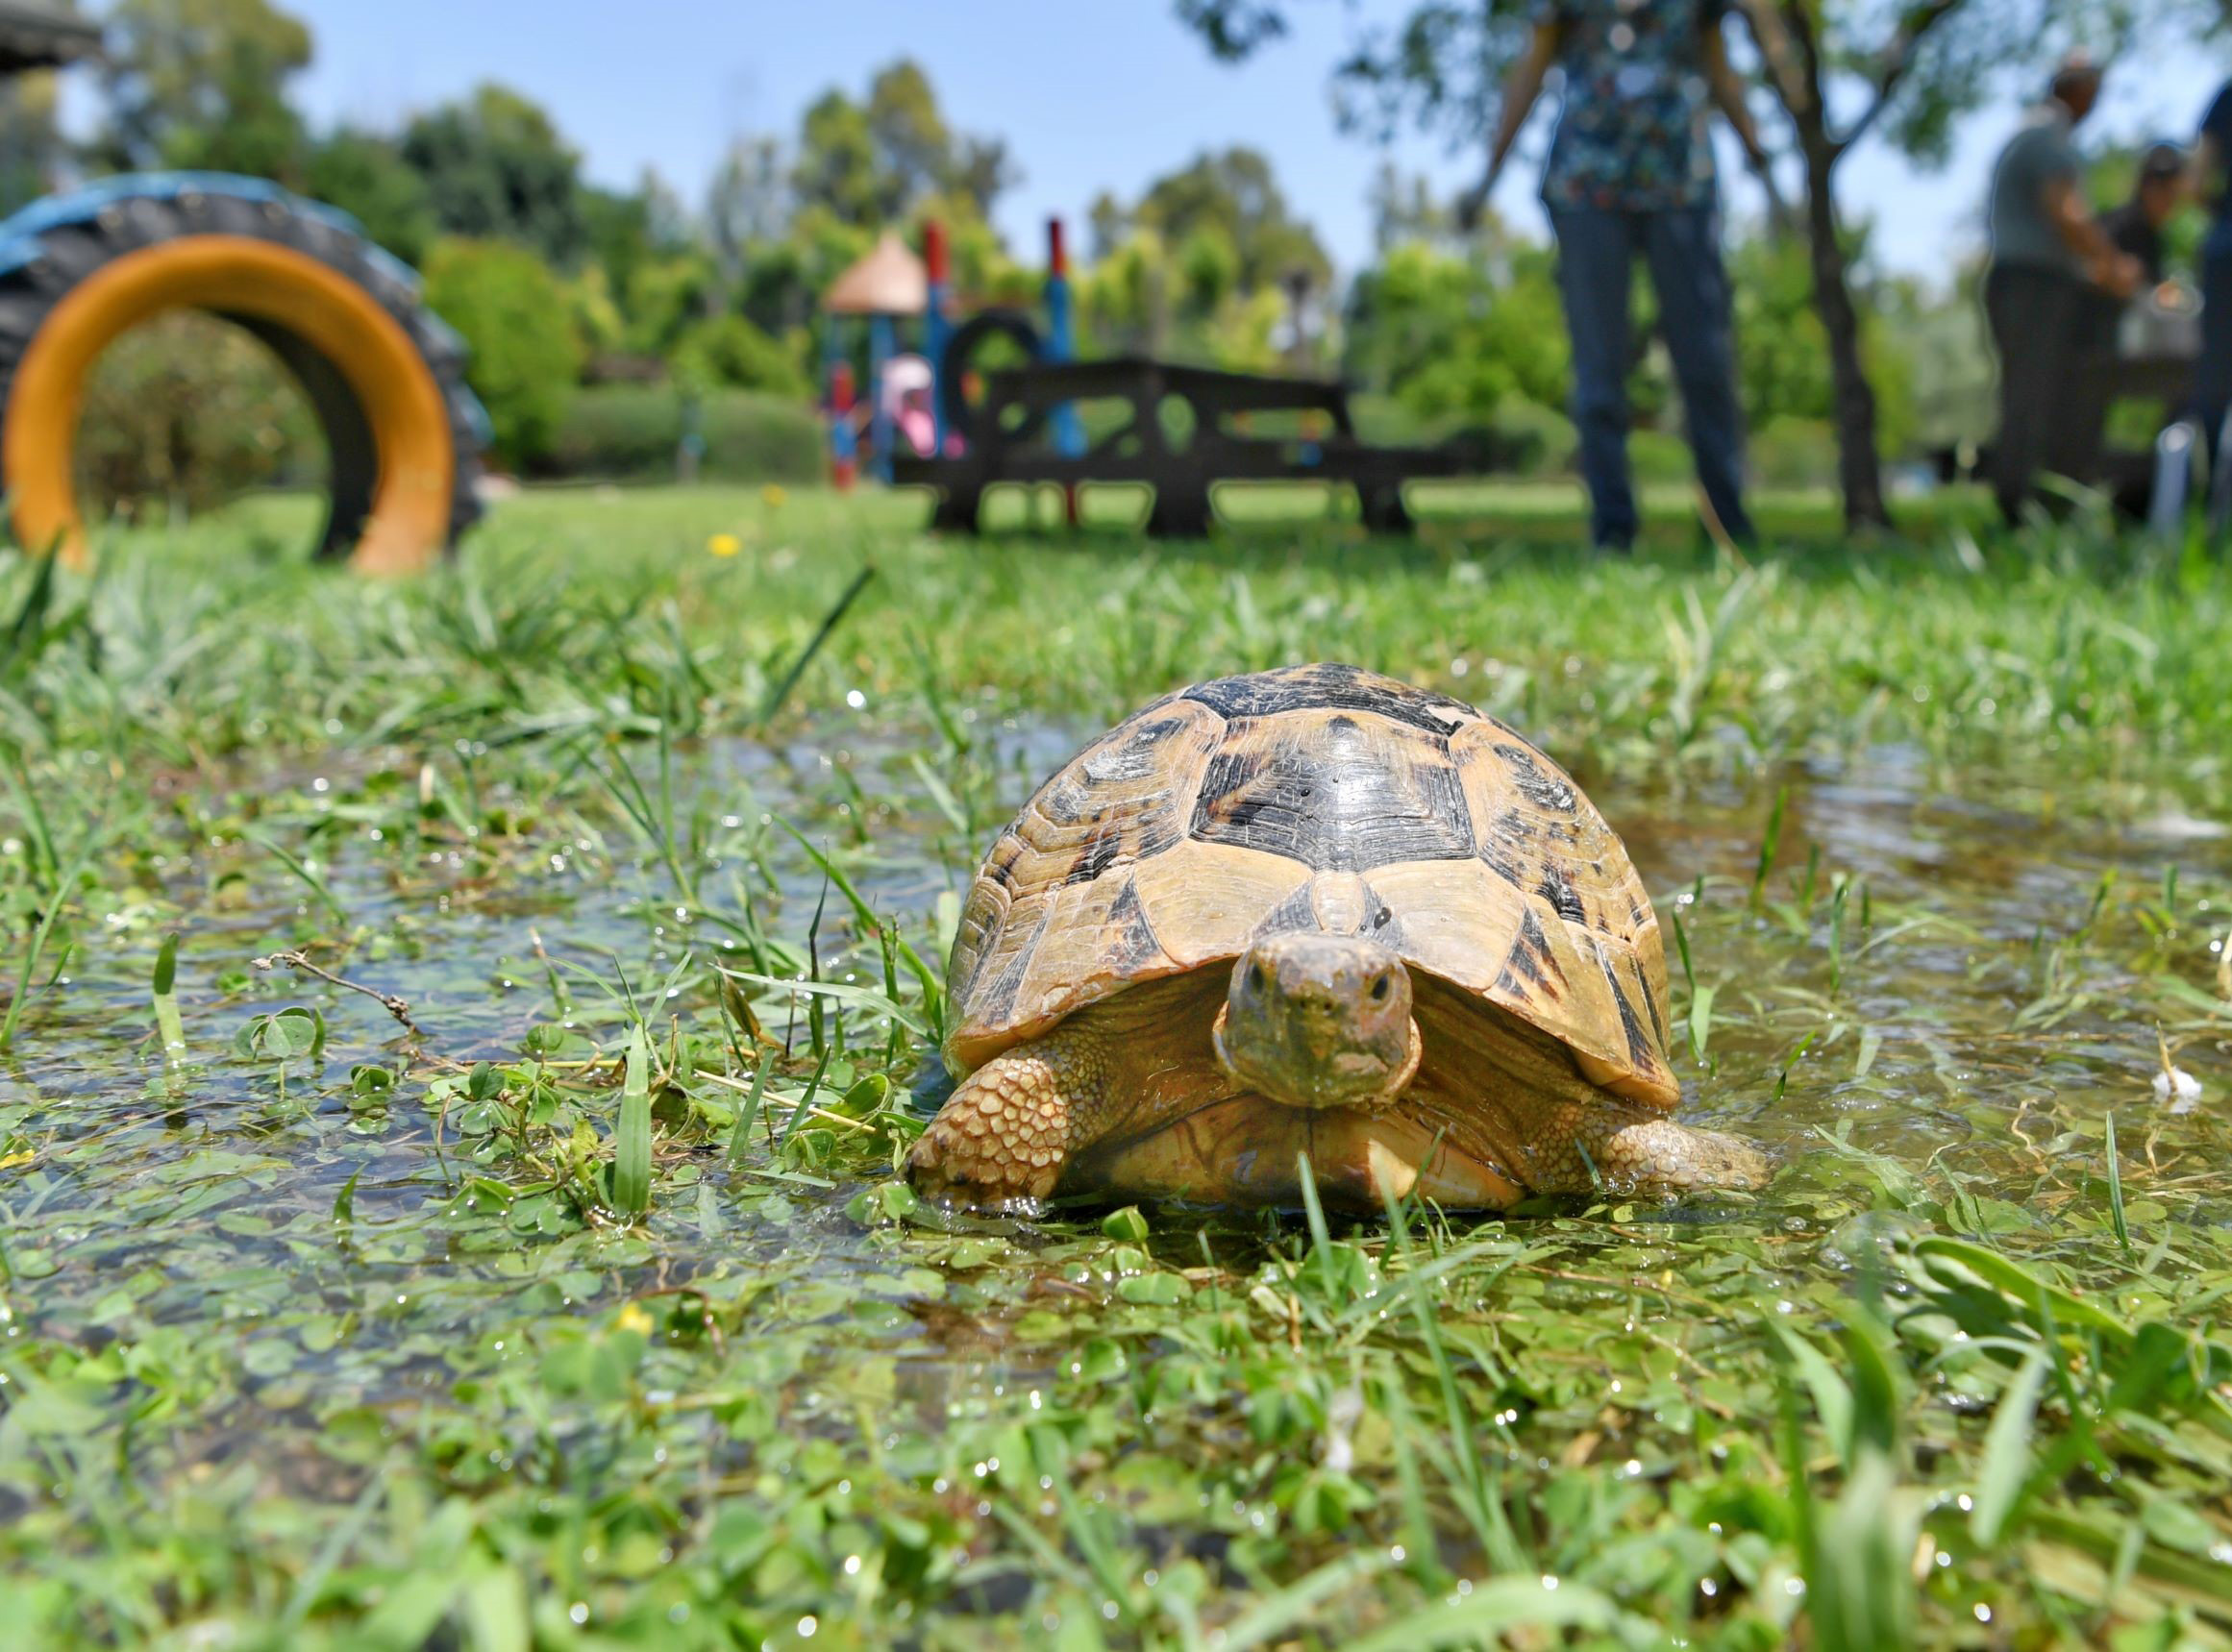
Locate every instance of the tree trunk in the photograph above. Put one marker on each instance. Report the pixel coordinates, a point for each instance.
(1859, 471)
(1798, 84)
(1854, 398)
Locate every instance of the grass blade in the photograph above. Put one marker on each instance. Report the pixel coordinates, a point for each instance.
(2007, 1455)
(2115, 1189)
(168, 1023)
(1769, 842)
(302, 870)
(1299, 1602)
(830, 622)
(740, 1137)
(632, 1153)
(1700, 1022)
(36, 947)
(1492, 1612)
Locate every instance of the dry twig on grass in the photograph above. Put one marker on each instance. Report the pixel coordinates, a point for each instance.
(397, 1007)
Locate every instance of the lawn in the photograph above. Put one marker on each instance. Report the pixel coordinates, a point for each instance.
(459, 1037)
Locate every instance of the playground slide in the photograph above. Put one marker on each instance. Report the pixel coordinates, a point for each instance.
(384, 376)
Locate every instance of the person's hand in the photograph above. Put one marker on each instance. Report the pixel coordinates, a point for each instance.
(2120, 275)
(1473, 204)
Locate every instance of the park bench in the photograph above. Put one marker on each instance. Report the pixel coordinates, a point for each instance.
(1176, 429)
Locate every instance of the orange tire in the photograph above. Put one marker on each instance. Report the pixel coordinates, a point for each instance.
(385, 376)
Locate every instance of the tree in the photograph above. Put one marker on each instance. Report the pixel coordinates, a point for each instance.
(907, 134)
(836, 167)
(31, 146)
(727, 350)
(1912, 78)
(511, 311)
(185, 412)
(366, 176)
(1234, 195)
(497, 168)
(1783, 366)
(1841, 71)
(873, 164)
(1404, 210)
(1459, 336)
(203, 84)
(748, 201)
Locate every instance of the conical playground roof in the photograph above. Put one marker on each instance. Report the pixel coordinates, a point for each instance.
(41, 35)
(890, 280)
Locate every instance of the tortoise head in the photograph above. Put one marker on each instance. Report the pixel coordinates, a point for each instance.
(1316, 1021)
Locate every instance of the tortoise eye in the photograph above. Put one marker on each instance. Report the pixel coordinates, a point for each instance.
(1380, 988)
(1255, 977)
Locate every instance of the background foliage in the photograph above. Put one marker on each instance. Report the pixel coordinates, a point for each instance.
(683, 299)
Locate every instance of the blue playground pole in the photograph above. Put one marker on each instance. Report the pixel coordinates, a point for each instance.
(937, 325)
(1069, 431)
(881, 349)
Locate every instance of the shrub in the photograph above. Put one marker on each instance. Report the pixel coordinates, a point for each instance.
(1789, 452)
(1659, 457)
(728, 351)
(631, 431)
(185, 412)
(513, 313)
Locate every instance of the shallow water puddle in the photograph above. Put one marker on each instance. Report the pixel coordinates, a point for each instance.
(1926, 975)
(304, 1271)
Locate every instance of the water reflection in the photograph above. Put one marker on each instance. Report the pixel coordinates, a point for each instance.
(1969, 1011)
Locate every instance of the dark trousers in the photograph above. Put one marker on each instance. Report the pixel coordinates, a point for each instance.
(2213, 375)
(2039, 319)
(2075, 448)
(1596, 251)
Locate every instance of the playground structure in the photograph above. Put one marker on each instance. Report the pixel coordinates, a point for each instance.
(888, 285)
(384, 376)
(1178, 429)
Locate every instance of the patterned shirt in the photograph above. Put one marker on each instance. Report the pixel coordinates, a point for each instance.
(1632, 134)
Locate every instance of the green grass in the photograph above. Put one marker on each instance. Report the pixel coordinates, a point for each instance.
(517, 1258)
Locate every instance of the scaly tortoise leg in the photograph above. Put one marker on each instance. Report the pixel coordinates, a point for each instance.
(1636, 1149)
(1011, 1127)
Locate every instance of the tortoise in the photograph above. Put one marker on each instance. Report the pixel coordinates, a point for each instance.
(1312, 912)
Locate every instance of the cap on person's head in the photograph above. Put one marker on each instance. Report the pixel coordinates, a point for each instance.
(2079, 71)
(2162, 163)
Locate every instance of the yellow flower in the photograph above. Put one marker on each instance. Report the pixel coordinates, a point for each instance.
(633, 1318)
(771, 495)
(724, 545)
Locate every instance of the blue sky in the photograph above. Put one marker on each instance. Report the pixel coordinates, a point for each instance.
(1089, 97)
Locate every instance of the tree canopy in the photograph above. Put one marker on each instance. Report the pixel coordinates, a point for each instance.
(631, 281)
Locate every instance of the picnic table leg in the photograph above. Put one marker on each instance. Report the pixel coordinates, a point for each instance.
(957, 509)
(1383, 508)
(1181, 509)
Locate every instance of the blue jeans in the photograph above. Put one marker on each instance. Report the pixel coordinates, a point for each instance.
(1597, 253)
(2212, 372)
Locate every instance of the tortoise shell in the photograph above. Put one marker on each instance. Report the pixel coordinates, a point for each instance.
(1317, 797)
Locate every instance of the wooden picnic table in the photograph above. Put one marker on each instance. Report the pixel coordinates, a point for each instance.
(1181, 429)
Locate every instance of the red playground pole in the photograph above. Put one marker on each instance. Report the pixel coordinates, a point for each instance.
(844, 440)
(937, 325)
(1069, 435)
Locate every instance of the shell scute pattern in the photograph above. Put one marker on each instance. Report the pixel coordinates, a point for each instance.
(1317, 797)
(1334, 793)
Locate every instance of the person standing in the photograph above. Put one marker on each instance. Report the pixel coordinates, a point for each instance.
(2136, 228)
(1630, 173)
(2213, 378)
(2049, 259)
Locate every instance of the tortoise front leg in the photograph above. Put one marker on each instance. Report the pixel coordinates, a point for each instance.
(1009, 1129)
(1636, 1149)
